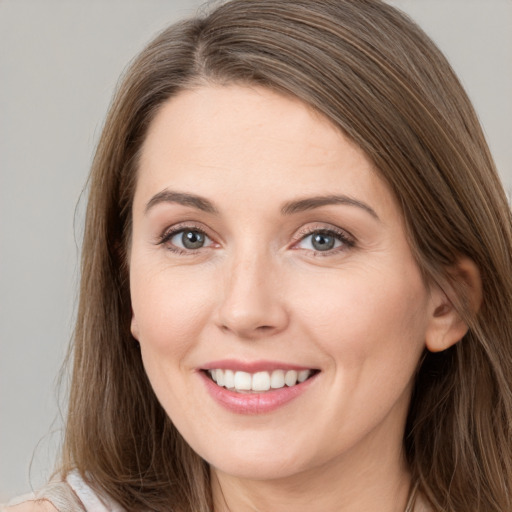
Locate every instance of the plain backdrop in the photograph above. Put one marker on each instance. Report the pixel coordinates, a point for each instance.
(59, 64)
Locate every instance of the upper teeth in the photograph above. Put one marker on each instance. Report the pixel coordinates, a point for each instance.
(259, 381)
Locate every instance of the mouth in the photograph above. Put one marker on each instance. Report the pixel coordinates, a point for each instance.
(257, 387)
(258, 382)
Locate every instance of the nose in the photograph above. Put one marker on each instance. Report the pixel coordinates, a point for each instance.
(252, 305)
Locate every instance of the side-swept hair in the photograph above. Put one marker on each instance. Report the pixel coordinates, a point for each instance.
(374, 74)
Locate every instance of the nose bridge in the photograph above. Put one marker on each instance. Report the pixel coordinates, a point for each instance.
(252, 304)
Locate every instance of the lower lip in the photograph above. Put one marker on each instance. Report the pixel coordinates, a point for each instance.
(254, 403)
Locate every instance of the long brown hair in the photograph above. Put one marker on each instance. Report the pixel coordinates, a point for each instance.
(380, 79)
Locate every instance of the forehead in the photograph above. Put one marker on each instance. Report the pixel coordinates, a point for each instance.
(218, 118)
(253, 141)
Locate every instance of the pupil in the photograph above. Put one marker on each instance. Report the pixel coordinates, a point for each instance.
(323, 242)
(192, 239)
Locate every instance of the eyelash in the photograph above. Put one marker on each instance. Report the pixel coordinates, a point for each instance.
(345, 238)
(169, 234)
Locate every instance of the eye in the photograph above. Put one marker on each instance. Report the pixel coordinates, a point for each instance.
(189, 239)
(186, 239)
(324, 240)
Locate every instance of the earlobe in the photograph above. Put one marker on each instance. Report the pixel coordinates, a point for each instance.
(446, 326)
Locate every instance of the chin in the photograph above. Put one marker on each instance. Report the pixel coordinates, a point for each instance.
(247, 469)
(258, 462)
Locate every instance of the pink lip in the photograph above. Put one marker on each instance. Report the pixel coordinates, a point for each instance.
(253, 366)
(254, 403)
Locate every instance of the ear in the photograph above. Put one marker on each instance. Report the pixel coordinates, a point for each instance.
(446, 326)
(134, 327)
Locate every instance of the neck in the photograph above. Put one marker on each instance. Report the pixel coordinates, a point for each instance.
(375, 480)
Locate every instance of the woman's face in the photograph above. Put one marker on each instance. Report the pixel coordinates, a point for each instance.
(268, 254)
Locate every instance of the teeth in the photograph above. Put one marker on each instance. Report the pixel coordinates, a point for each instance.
(303, 375)
(243, 380)
(220, 377)
(260, 381)
(290, 378)
(277, 379)
(229, 378)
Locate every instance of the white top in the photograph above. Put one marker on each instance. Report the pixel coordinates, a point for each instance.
(74, 495)
(71, 495)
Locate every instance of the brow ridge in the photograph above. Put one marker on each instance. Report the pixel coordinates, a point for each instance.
(185, 199)
(311, 203)
(289, 208)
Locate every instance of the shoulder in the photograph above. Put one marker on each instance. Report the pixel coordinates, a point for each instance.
(55, 496)
(73, 494)
(31, 505)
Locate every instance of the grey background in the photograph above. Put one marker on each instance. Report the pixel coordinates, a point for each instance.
(59, 63)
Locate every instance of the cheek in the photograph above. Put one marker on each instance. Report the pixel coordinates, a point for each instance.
(368, 314)
(371, 326)
(169, 308)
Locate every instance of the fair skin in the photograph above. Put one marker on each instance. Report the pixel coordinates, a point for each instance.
(230, 269)
(250, 275)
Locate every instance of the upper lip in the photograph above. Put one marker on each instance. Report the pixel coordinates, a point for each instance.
(253, 366)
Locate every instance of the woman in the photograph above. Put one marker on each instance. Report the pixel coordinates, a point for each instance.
(295, 277)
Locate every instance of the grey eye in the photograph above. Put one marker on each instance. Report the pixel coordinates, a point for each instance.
(322, 241)
(189, 239)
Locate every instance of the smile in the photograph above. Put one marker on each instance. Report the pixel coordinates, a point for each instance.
(256, 387)
(240, 381)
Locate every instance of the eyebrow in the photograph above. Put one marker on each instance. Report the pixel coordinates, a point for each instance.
(168, 196)
(311, 203)
(289, 208)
